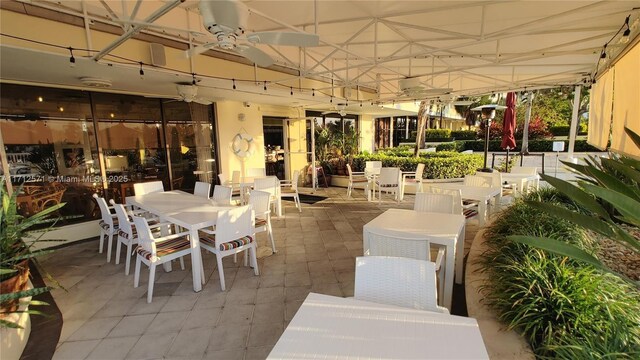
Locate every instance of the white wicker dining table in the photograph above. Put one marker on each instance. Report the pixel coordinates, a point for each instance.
(329, 327)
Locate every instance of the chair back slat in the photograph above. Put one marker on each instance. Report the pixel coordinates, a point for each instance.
(294, 180)
(455, 193)
(145, 239)
(123, 218)
(260, 200)
(384, 280)
(438, 203)
(389, 176)
(148, 187)
(268, 184)
(234, 224)
(419, 171)
(105, 214)
(386, 245)
(479, 181)
(202, 189)
(524, 170)
(222, 194)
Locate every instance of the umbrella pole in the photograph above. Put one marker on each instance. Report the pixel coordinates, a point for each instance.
(486, 147)
(507, 165)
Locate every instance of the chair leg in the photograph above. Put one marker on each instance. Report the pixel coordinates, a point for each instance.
(246, 258)
(298, 203)
(109, 245)
(118, 248)
(220, 271)
(127, 264)
(136, 276)
(182, 262)
(349, 190)
(102, 236)
(270, 233)
(152, 278)
(254, 258)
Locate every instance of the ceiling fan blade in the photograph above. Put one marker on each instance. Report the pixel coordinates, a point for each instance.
(284, 38)
(197, 50)
(202, 101)
(254, 54)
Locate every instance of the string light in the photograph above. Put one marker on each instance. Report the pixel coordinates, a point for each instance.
(603, 54)
(72, 59)
(234, 83)
(292, 91)
(265, 86)
(193, 78)
(625, 35)
(331, 100)
(141, 71)
(360, 103)
(313, 92)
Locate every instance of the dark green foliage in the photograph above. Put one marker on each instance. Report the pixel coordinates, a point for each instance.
(440, 165)
(464, 135)
(565, 309)
(437, 134)
(534, 145)
(563, 130)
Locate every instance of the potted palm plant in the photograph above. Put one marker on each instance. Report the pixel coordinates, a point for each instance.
(16, 250)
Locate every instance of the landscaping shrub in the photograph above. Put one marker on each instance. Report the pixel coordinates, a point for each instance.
(563, 130)
(534, 145)
(566, 309)
(440, 165)
(538, 129)
(457, 146)
(437, 134)
(464, 135)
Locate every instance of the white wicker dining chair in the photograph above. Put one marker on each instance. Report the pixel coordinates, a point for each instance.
(127, 234)
(412, 178)
(527, 170)
(268, 184)
(154, 251)
(202, 189)
(233, 234)
(148, 187)
(222, 194)
(108, 225)
(260, 200)
(404, 282)
(289, 188)
(389, 181)
(476, 180)
(438, 203)
(468, 209)
(377, 244)
(357, 177)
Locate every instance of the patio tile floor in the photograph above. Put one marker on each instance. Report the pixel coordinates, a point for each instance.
(105, 317)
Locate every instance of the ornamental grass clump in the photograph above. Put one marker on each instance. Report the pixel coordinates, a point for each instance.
(565, 308)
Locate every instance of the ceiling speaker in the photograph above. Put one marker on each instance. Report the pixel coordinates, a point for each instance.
(158, 56)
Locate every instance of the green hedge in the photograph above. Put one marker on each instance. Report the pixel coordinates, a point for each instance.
(442, 165)
(437, 134)
(563, 130)
(494, 145)
(464, 135)
(566, 309)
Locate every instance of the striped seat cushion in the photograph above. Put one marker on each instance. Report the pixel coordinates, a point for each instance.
(388, 185)
(210, 240)
(125, 235)
(261, 222)
(106, 226)
(470, 202)
(166, 247)
(360, 180)
(469, 213)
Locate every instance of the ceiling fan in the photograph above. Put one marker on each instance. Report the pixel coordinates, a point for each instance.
(413, 88)
(227, 21)
(337, 109)
(189, 93)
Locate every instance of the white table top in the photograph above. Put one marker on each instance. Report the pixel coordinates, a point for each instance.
(512, 176)
(421, 225)
(479, 193)
(183, 209)
(328, 327)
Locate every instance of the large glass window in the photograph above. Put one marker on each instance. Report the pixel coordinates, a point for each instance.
(404, 129)
(190, 135)
(50, 150)
(55, 152)
(130, 137)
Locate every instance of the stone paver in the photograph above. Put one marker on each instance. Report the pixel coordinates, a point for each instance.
(106, 317)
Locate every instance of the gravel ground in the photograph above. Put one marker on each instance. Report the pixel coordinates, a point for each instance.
(620, 258)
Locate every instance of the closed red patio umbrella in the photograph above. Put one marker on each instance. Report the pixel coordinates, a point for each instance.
(509, 125)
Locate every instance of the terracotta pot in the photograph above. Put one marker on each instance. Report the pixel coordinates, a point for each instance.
(18, 282)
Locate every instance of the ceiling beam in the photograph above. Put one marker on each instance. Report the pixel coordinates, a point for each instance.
(135, 29)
